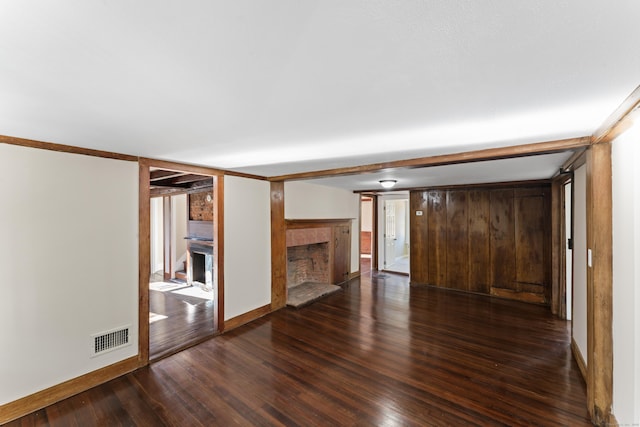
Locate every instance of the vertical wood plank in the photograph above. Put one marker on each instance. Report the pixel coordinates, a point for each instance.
(437, 237)
(557, 246)
(529, 238)
(479, 253)
(418, 229)
(278, 247)
(144, 261)
(502, 239)
(599, 284)
(341, 253)
(218, 250)
(457, 246)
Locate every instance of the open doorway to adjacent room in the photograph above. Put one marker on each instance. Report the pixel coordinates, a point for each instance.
(183, 260)
(367, 233)
(395, 230)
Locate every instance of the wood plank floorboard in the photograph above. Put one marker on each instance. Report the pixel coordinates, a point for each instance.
(378, 353)
(190, 320)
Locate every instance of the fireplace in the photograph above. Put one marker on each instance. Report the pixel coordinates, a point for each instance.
(308, 263)
(308, 256)
(200, 270)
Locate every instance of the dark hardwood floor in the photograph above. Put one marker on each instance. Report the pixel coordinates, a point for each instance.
(189, 320)
(378, 353)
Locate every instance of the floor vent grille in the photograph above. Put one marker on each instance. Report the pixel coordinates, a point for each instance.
(110, 340)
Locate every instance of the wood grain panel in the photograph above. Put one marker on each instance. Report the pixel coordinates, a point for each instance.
(502, 239)
(278, 248)
(529, 230)
(144, 261)
(437, 237)
(457, 262)
(418, 229)
(479, 254)
(600, 284)
(341, 253)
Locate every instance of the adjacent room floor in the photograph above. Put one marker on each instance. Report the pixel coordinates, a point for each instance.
(378, 353)
(179, 316)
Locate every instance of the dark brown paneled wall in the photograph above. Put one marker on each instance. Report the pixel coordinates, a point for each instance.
(493, 241)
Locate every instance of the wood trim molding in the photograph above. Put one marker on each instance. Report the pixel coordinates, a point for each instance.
(577, 356)
(278, 248)
(486, 185)
(619, 120)
(292, 224)
(181, 167)
(599, 284)
(51, 395)
(447, 159)
(144, 261)
(204, 170)
(247, 317)
(65, 148)
(245, 175)
(578, 159)
(218, 250)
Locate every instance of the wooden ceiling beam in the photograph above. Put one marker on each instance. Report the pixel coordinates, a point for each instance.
(548, 147)
(620, 120)
(161, 174)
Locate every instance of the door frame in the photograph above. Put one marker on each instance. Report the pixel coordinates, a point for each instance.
(144, 249)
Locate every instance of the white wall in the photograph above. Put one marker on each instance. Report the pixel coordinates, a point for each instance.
(303, 200)
(366, 215)
(69, 262)
(156, 234)
(626, 277)
(580, 262)
(179, 230)
(247, 245)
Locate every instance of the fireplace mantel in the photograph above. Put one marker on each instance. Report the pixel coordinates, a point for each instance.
(316, 223)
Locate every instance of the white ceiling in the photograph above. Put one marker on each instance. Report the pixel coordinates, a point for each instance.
(278, 87)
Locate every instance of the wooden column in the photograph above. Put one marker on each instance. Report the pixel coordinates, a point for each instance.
(278, 248)
(218, 251)
(144, 261)
(599, 284)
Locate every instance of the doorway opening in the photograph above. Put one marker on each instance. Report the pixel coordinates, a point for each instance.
(183, 288)
(367, 233)
(396, 234)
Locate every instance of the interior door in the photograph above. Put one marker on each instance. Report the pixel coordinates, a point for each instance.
(389, 233)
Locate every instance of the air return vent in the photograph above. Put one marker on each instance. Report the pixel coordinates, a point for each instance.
(108, 341)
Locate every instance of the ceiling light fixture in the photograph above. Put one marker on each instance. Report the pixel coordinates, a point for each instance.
(387, 183)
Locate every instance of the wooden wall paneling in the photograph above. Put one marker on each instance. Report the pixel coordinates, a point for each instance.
(557, 260)
(479, 248)
(546, 236)
(457, 246)
(530, 257)
(278, 247)
(437, 237)
(341, 253)
(418, 236)
(600, 284)
(502, 240)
